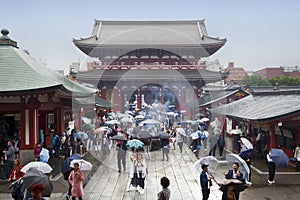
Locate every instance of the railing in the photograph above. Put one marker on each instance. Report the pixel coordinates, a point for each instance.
(171, 67)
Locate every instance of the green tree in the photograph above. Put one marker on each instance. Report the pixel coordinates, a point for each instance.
(255, 80)
(285, 81)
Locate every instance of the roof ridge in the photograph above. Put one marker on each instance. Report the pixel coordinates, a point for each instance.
(150, 21)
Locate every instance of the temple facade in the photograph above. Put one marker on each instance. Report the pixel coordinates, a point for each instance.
(149, 62)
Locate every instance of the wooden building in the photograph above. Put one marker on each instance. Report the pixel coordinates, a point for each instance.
(33, 98)
(149, 61)
(275, 114)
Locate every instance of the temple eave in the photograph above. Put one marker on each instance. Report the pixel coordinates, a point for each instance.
(200, 50)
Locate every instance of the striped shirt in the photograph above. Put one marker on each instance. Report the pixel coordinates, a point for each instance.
(166, 193)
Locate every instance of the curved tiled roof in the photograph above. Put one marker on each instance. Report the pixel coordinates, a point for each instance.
(262, 106)
(149, 34)
(20, 72)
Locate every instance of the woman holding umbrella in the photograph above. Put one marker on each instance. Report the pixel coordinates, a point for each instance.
(75, 179)
(141, 172)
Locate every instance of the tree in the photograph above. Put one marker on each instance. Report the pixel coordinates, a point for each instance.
(285, 81)
(256, 80)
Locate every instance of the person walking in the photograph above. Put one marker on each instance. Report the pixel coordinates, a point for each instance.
(165, 193)
(56, 144)
(141, 172)
(234, 173)
(213, 140)
(246, 156)
(180, 137)
(37, 151)
(205, 181)
(204, 138)
(297, 156)
(121, 155)
(97, 143)
(10, 156)
(132, 172)
(75, 179)
(165, 147)
(16, 172)
(271, 166)
(221, 145)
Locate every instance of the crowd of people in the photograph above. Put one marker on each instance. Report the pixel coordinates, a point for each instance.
(196, 136)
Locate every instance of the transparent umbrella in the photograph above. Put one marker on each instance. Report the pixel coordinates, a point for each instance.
(232, 158)
(38, 165)
(83, 164)
(210, 160)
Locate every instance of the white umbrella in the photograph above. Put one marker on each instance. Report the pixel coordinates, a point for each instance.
(83, 164)
(126, 120)
(101, 129)
(139, 117)
(236, 131)
(210, 160)
(247, 143)
(170, 113)
(204, 119)
(112, 122)
(41, 166)
(232, 158)
(150, 121)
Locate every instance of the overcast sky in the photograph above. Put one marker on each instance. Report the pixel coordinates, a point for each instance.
(260, 33)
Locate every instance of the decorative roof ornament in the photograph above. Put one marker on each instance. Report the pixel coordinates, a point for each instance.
(5, 40)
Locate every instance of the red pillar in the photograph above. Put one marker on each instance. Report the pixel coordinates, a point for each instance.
(139, 98)
(272, 136)
(160, 96)
(23, 123)
(117, 99)
(59, 113)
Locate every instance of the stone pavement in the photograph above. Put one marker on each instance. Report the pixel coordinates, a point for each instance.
(107, 183)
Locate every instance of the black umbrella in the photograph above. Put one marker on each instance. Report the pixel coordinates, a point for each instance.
(33, 176)
(143, 134)
(233, 184)
(118, 137)
(163, 135)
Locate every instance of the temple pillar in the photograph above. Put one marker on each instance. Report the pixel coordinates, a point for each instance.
(59, 120)
(23, 122)
(117, 99)
(139, 98)
(272, 136)
(160, 96)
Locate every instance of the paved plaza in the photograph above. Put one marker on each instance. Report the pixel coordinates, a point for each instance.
(107, 184)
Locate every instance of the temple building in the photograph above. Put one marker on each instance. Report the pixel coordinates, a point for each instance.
(148, 62)
(33, 98)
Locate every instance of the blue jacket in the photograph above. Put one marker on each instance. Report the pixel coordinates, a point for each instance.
(204, 181)
(230, 176)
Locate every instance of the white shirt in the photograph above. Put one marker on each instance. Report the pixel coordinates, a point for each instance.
(234, 175)
(269, 157)
(208, 185)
